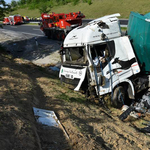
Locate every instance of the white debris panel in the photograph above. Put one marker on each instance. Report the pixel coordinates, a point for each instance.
(47, 118)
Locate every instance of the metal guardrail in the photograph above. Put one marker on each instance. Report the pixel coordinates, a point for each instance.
(123, 22)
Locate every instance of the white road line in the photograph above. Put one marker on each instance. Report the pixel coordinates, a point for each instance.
(35, 29)
(13, 27)
(32, 34)
(42, 32)
(23, 32)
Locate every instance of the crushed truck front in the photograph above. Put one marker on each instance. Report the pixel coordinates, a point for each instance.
(75, 53)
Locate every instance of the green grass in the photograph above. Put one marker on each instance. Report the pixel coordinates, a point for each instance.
(32, 24)
(124, 28)
(97, 9)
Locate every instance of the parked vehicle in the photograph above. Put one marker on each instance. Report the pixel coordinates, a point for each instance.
(15, 19)
(26, 18)
(99, 59)
(6, 21)
(56, 26)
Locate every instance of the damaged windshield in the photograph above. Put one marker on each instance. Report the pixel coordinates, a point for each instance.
(74, 54)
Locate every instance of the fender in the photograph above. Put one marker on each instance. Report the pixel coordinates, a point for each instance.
(131, 91)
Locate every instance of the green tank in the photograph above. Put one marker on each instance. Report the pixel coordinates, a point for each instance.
(139, 32)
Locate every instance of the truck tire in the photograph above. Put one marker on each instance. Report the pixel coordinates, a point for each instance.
(58, 36)
(118, 97)
(62, 36)
(46, 32)
(49, 34)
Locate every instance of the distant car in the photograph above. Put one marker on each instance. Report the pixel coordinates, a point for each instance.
(26, 18)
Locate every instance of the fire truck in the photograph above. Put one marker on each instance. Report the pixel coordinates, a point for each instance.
(6, 21)
(15, 19)
(56, 26)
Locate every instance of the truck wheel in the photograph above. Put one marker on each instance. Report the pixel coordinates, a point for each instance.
(118, 97)
(58, 36)
(62, 36)
(46, 33)
(49, 34)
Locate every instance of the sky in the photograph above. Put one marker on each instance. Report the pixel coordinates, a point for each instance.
(8, 1)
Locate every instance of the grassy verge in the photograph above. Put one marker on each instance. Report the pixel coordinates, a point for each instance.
(31, 24)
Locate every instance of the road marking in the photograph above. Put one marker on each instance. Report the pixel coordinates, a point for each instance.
(42, 32)
(13, 27)
(32, 34)
(36, 29)
(22, 32)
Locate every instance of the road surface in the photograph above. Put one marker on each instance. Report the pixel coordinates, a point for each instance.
(25, 29)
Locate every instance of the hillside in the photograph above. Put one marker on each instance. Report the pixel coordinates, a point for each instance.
(97, 9)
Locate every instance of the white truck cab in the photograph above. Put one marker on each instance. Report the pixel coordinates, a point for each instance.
(98, 57)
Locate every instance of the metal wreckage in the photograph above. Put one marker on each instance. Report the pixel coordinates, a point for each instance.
(100, 59)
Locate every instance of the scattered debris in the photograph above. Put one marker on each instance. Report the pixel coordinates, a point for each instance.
(54, 68)
(48, 118)
(138, 108)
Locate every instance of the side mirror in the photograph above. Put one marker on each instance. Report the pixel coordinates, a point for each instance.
(101, 80)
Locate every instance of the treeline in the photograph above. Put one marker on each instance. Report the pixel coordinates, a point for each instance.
(44, 5)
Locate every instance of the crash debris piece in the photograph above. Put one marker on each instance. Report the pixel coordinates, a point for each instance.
(48, 118)
(138, 108)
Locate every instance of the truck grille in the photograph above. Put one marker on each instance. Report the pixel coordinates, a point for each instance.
(73, 82)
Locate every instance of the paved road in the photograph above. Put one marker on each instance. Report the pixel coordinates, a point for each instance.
(26, 29)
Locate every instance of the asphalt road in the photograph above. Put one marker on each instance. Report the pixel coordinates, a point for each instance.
(34, 30)
(25, 29)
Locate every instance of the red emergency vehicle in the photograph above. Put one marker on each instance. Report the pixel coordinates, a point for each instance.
(56, 26)
(15, 19)
(6, 21)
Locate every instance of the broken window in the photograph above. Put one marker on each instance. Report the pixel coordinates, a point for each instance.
(75, 54)
(99, 54)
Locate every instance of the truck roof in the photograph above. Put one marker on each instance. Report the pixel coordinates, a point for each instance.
(94, 31)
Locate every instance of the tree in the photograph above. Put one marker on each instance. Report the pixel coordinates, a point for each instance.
(44, 8)
(4, 8)
(13, 4)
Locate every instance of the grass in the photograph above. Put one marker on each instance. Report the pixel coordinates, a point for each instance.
(32, 24)
(71, 97)
(97, 9)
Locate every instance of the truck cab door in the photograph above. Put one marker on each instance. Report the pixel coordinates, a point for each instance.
(102, 56)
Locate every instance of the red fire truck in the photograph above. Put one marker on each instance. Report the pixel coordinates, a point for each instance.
(6, 21)
(15, 19)
(56, 26)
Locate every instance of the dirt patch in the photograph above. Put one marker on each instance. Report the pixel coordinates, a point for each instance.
(24, 85)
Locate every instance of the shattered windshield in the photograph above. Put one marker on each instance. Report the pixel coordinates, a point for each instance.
(75, 54)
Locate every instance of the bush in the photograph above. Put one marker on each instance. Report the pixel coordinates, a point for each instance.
(89, 2)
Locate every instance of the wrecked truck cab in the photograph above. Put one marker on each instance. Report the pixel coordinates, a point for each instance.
(73, 70)
(107, 59)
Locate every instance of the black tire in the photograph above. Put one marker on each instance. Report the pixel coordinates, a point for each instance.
(49, 34)
(46, 32)
(62, 36)
(58, 36)
(119, 96)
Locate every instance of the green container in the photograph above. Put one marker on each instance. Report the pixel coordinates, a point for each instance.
(139, 31)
